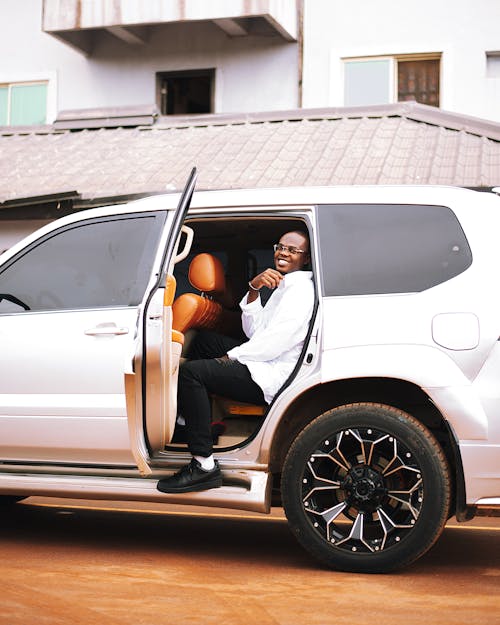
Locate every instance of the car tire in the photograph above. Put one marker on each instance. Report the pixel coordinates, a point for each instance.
(366, 488)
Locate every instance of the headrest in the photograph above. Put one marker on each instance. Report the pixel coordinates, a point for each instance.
(206, 273)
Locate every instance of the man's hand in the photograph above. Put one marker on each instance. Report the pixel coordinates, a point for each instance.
(270, 278)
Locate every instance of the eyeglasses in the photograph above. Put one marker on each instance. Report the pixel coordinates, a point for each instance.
(279, 247)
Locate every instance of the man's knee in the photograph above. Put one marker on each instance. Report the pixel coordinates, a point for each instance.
(192, 372)
(204, 345)
(186, 370)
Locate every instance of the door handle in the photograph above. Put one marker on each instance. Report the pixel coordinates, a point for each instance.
(106, 329)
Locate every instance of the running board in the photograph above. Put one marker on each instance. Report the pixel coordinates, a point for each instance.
(242, 490)
(489, 506)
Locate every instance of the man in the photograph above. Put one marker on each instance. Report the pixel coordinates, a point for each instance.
(251, 372)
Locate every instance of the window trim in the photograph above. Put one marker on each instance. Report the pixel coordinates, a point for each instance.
(491, 66)
(202, 71)
(24, 78)
(394, 59)
(334, 210)
(74, 225)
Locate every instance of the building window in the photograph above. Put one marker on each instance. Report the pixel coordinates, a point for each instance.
(492, 64)
(367, 82)
(391, 79)
(419, 80)
(186, 93)
(23, 103)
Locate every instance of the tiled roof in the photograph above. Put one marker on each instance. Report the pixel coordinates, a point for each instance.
(401, 143)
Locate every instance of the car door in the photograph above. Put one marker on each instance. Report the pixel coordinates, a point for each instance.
(151, 379)
(69, 307)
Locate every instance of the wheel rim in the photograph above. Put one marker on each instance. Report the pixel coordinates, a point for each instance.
(362, 490)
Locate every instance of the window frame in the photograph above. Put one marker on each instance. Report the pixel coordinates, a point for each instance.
(209, 72)
(47, 77)
(158, 216)
(394, 60)
(492, 60)
(366, 219)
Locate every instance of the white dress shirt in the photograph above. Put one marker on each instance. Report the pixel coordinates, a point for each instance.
(276, 331)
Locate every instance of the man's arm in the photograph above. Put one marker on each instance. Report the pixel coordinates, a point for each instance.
(288, 328)
(269, 277)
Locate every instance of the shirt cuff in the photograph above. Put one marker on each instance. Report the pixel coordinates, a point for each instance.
(249, 307)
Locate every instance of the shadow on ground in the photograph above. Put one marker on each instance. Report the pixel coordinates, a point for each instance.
(266, 541)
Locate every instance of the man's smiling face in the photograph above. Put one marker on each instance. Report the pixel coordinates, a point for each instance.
(287, 261)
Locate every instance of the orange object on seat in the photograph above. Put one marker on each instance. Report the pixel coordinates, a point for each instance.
(189, 310)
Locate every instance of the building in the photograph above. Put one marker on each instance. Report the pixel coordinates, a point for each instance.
(104, 100)
(234, 56)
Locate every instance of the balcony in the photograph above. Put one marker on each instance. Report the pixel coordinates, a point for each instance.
(79, 22)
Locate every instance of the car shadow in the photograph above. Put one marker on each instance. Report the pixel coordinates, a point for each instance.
(266, 541)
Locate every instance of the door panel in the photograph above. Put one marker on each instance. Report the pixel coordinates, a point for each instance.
(61, 390)
(163, 355)
(158, 348)
(68, 324)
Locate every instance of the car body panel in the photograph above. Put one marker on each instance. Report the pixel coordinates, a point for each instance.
(63, 387)
(443, 340)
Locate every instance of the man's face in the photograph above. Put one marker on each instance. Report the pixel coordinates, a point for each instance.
(287, 261)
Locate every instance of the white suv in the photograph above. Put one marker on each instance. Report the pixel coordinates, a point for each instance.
(390, 423)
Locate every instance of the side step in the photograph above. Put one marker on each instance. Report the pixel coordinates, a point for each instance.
(242, 489)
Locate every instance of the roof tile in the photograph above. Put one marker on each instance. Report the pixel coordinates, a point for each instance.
(377, 145)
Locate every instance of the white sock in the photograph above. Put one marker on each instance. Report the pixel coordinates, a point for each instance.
(207, 464)
(181, 420)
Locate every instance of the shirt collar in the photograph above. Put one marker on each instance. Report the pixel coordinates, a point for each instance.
(295, 276)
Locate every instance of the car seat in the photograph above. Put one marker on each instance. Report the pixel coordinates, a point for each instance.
(194, 311)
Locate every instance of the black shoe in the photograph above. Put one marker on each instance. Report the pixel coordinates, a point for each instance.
(191, 478)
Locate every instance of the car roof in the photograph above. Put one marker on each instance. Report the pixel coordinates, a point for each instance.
(286, 196)
(455, 197)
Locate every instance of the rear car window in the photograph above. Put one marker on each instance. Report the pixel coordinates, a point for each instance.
(389, 248)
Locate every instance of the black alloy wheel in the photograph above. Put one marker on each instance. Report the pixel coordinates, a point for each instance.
(366, 488)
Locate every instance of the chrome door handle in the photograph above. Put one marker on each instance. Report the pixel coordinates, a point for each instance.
(106, 329)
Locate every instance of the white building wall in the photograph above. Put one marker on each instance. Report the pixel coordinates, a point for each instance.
(461, 30)
(12, 231)
(252, 73)
(261, 73)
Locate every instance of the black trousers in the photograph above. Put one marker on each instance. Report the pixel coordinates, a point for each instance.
(202, 375)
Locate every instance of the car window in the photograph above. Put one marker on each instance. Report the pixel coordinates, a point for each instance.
(104, 263)
(369, 249)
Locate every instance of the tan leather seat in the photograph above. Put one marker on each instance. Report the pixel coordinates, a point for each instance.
(190, 310)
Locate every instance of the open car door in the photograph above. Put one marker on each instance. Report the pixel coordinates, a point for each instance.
(151, 379)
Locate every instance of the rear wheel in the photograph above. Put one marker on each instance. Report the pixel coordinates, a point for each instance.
(366, 488)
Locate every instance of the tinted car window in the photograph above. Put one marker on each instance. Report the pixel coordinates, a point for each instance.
(96, 264)
(369, 249)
